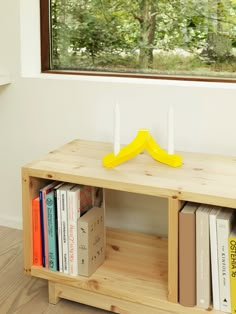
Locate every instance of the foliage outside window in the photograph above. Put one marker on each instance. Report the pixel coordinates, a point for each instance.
(177, 38)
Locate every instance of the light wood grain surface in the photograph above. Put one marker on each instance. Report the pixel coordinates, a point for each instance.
(202, 178)
(22, 294)
(135, 270)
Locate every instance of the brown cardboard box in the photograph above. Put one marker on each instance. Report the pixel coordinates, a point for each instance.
(91, 241)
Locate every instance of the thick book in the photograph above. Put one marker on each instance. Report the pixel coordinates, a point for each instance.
(187, 255)
(80, 200)
(43, 215)
(36, 226)
(224, 223)
(91, 241)
(203, 273)
(232, 268)
(52, 231)
(214, 258)
(64, 225)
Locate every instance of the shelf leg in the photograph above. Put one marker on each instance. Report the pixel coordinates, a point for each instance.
(173, 210)
(52, 293)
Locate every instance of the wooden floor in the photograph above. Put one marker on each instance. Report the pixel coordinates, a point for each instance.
(22, 294)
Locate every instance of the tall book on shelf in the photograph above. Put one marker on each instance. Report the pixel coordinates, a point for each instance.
(52, 231)
(37, 237)
(203, 273)
(43, 216)
(57, 199)
(224, 223)
(80, 200)
(64, 225)
(214, 257)
(232, 268)
(187, 255)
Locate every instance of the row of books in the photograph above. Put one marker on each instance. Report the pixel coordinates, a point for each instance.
(207, 257)
(68, 228)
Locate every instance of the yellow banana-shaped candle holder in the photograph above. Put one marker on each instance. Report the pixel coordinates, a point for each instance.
(143, 140)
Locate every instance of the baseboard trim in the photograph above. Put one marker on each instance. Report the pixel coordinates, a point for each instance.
(11, 222)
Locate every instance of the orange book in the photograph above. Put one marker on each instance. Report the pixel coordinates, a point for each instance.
(36, 226)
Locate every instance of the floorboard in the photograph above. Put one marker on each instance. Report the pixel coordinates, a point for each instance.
(26, 295)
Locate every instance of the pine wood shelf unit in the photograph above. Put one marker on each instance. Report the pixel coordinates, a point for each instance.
(140, 273)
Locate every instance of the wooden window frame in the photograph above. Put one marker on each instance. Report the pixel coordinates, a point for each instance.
(46, 62)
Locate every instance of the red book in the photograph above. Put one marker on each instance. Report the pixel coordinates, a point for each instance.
(36, 226)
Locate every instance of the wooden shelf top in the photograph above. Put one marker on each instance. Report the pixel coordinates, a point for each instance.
(203, 178)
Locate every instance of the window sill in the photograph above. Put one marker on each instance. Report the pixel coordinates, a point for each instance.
(131, 80)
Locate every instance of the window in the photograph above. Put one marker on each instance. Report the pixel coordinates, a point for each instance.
(180, 39)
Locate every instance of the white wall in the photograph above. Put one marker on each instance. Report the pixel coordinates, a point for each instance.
(37, 113)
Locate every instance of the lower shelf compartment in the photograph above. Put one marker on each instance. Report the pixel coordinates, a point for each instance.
(135, 269)
(132, 280)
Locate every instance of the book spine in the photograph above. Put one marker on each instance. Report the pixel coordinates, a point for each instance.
(232, 271)
(223, 264)
(73, 206)
(187, 259)
(203, 259)
(59, 229)
(52, 238)
(42, 228)
(45, 228)
(37, 241)
(214, 263)
(64, 224)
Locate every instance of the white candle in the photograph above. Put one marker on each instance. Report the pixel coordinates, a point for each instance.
(116, 129)
(171, 131)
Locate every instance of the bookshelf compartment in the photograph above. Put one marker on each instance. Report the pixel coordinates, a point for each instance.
(132, 259)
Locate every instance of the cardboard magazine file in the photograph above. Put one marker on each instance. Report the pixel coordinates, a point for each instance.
(91, 241)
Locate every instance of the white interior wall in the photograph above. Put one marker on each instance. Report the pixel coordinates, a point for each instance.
(39, 113)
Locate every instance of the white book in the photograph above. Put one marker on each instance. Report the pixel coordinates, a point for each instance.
(224, 226)
(64, 225)
(214, 258)
(80, 199)
(203, 274)
(73, 215)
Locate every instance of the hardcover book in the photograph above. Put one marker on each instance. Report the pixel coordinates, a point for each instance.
(187, 255)
(224, 223)
(80, 200)
(232, 268)
(64, 225)
(52, 232)
(91, 241)
(57, 203)
(43, 215)
(203, 257)
(214, 257)
(37, 239)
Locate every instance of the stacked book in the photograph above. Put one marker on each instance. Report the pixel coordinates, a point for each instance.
(207, 257)
(68, 228)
